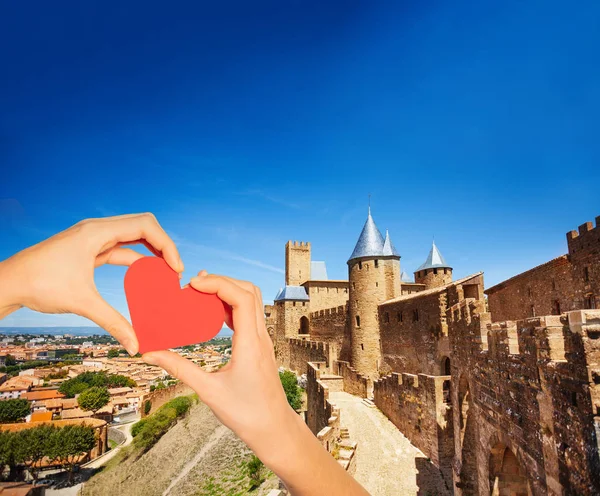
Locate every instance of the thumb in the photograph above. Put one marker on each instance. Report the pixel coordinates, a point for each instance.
(182, 369)
(106, 317)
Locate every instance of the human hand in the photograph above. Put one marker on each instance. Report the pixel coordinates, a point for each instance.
(247, 396)
(57, 275)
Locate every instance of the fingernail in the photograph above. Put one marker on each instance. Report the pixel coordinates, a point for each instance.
(149, 359)
(131, 347)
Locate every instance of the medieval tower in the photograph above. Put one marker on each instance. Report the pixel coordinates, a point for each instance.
(374, 277)
(434, 272)
(297, 263)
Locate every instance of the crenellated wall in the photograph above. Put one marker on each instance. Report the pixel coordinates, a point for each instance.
(303, 351)
(326, 294)
(323, 418)
(569, 282)
(526, 392)
(418, 406)
(413, 329)
(354, 382)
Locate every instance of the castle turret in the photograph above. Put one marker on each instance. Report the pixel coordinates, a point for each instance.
(374, 277)
(435, 271)
(297, 263)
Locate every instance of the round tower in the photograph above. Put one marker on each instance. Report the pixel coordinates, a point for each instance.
(374, 277)
(435, 271)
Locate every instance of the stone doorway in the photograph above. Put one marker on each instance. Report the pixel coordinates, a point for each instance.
(507, 476)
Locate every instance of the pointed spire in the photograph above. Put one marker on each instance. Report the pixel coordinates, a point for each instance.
(404, 277)
(434, 259)
(370, 242)
(388, 247)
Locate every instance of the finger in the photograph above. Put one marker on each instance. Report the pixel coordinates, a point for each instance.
(118, 256)
(182, 369)
(99, 311)
(144, 227)
(248, 286)
(241, 301)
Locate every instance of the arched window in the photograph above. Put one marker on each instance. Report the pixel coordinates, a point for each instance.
(304, 325)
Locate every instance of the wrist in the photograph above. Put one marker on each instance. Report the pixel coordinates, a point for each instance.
(9, 300)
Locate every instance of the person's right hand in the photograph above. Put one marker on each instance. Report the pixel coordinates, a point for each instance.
(247, 396)
(57, 275)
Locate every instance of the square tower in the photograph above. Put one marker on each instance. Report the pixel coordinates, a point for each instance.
(297, 263)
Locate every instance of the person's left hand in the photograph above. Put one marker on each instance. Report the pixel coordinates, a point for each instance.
(57, 275)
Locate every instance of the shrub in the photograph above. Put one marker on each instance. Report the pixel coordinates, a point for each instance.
(255, 472)
(292, 392)
(137, 427)
(147, 407)
(152, 428)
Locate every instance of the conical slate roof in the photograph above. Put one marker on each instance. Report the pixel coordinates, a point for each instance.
(435, 260)
(370, 242)
(404, 277)
(388, 247)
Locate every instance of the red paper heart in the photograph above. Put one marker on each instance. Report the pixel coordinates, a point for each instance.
(162, 314)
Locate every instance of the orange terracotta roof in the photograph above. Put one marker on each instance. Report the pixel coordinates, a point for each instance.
(41, 416)
(42, 395)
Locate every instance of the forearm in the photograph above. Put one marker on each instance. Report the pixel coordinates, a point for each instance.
(306, 468)
(9, 301)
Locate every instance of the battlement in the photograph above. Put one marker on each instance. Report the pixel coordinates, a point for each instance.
(354, 382)
(586, 235)
(339, 310)
(307, 343)
(299, 244)
(412, 382)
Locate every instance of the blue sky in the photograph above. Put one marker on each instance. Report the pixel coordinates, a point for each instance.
(244, 124)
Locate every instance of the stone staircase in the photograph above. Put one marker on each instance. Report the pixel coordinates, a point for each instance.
(368, 402)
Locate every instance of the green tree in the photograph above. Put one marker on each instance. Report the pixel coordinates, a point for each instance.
(93, 398)
(147, 407)
(293, 392)
(69, 444)
(32, 446)
(13, 410)
(10, 360)
(113, 353)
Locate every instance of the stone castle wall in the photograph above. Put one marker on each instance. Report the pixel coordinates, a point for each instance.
(289, 315)
(569, 282)
(414, 332)
(525, 392)
(416, 405)
(303, 351)
(322, 417)
(326, 294)
(354, 383)
(161, 396)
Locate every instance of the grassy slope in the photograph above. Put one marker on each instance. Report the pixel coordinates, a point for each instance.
(221, 471)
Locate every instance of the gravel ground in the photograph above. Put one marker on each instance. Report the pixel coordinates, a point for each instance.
(387, 464)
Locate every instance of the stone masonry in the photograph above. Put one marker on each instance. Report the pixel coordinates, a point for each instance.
(502, 395)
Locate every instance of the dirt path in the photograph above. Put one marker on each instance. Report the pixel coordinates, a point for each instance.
(387, 464)
(214, 439)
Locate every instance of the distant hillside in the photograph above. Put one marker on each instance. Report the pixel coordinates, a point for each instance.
(197, 456)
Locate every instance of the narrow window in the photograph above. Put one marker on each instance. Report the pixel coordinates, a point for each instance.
(303, 303)
(399, 316)
(357, 321)
(435, 271)
(376, 263)
(362, 346)
(415, 315)
(586, 274)
(573, 398)
(376, 284)
(445, 271)
(359, 265)
(294, 303)
(353, 285)
(556, 307)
